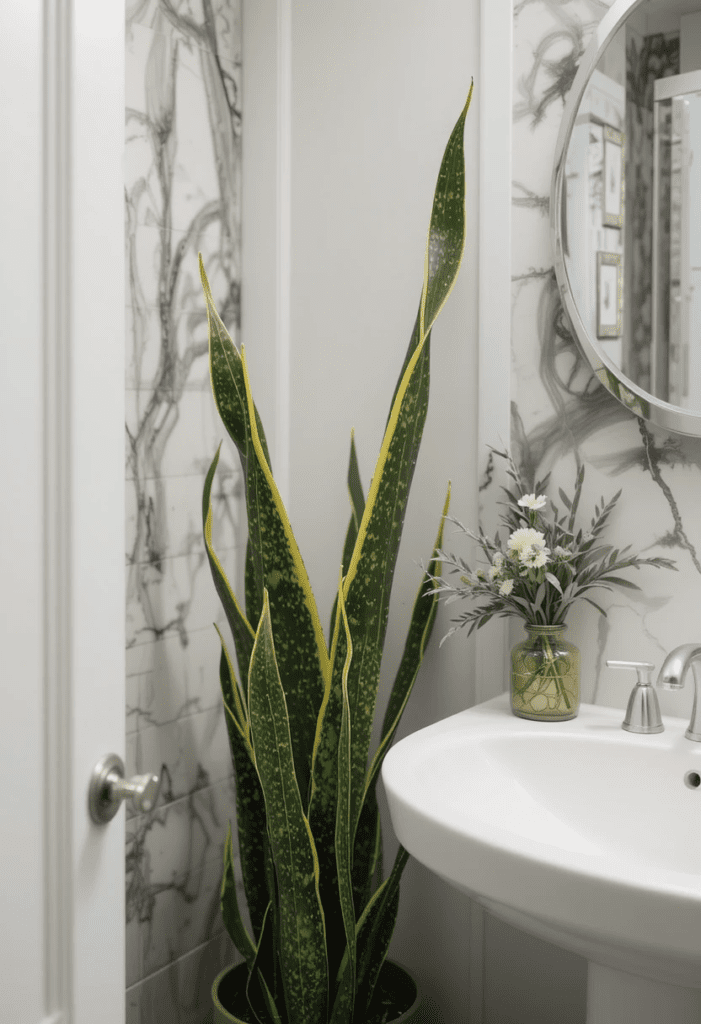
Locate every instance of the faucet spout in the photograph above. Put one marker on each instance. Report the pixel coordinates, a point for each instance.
(672, 677)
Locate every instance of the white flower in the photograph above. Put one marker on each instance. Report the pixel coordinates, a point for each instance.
(561, 552)
(506, 588)
(534, 557)
(494, 571)
(530, 501)
(525, 538)
(498, 560)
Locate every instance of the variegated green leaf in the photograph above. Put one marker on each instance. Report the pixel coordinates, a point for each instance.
(226, 376)
(262, 988)
(357, 502)
(230, 907)
(230, 689)
(368, 582)
(375, 930)
(241, 629)
(445, 243)
(420, 629)
(302, 948)
(373, 936)
(342, 1012)
(229, 390)
(367, 852)
(322, 807)
(302, 657)
(254, 848)
(446, 236)
(253, 590)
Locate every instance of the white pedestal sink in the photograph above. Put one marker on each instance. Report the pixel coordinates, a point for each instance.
(578, 832)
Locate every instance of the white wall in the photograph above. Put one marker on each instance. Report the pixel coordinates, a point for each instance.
(374, 91)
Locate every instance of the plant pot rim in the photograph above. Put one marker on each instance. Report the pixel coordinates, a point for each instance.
(406, 1015)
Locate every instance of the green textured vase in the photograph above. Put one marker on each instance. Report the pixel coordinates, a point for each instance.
(545, 676)
(397, 999)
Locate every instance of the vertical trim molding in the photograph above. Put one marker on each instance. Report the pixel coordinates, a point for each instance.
(283, 245)
(494, 366)
(56, 331)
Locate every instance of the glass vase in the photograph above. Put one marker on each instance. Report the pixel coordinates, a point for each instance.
(545, 676)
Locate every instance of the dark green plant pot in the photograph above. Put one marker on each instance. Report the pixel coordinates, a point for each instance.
(397, 997)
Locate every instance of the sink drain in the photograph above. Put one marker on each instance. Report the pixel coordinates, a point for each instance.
(692, 780)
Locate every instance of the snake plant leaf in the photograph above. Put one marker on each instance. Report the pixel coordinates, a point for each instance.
(241, 629)
(357, 502)
(230, 907)
(302, 939)
(368, 582)
(226, 377)
(253, 590)
(342, 1012)
(231, 692)
(323, 805)
(367, 852)
(374, 934)
(420, 629)
(302, 657)
(445, 243)
(262, 974)
(446, 237)
(254, 848)
(229, 391)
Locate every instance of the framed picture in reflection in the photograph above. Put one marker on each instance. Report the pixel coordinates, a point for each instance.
(609, 295)
(613, 178)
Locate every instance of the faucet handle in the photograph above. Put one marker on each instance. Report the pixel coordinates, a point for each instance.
(643, 712)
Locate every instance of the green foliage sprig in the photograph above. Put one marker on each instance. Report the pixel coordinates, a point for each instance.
(546, 563)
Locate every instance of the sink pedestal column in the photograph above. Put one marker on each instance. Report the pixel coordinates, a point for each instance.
(616, 997)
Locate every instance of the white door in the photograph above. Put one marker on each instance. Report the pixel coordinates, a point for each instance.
(62, 507)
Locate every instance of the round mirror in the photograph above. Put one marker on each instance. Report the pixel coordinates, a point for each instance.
(625, 208)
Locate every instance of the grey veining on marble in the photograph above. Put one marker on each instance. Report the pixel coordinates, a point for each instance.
(182, 197)
(562, 417)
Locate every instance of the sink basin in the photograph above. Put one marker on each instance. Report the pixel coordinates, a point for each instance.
(579, 832)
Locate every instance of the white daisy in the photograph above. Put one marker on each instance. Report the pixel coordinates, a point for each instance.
(534, 557)
(533, 502)
(525, 538)
(506, 588)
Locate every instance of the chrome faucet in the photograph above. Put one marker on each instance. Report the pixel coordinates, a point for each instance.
(672, 675)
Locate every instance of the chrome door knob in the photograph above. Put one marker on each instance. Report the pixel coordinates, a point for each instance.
(108, 788)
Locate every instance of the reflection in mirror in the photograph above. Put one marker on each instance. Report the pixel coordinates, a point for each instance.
(676, 295)
(631, 202)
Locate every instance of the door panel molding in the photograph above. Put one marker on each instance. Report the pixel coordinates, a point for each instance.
(56, 332)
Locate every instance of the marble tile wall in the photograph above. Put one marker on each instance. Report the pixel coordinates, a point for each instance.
(182, 196)
(562, 417)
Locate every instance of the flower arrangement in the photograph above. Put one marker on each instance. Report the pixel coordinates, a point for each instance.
(546, 563)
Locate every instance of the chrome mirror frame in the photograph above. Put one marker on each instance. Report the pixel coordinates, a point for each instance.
(641, 403)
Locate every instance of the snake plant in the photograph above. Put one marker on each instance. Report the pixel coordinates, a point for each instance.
(300, 711)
